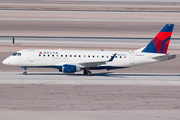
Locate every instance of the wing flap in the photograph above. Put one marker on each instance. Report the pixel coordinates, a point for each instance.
(92, 64)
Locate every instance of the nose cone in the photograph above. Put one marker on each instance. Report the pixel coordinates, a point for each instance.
(6, 61)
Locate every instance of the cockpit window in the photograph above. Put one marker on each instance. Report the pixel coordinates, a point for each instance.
(14, 54)
(18, 54)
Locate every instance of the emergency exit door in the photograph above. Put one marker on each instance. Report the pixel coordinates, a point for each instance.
(31, 55)
(131, 57)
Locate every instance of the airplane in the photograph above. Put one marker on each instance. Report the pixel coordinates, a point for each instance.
(71, 61)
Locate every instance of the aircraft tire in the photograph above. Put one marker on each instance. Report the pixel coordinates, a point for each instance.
(89, 73)
(24, 73)
(85, 72)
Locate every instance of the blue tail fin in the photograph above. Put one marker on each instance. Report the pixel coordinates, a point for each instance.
(160, 42)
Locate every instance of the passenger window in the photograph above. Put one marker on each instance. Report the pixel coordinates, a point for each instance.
(44, 55)
(93, 56)
(116, 56)
(102, 56)
(61, 55)
(74, 55)
(39, 55)
(107, 56)
(88, 55)
(124, 56)
(84, 55)
(120, 56)
(48, 55)
(97, 56)
(70, 55)
(52, 55)
(79, 55)
(65, 55)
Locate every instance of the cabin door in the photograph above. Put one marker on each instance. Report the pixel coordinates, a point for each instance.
(31, 55)
(131, 57)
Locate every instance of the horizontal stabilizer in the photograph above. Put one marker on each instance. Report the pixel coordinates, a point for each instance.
(165, 57)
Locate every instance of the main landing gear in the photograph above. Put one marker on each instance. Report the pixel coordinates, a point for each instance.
(24, 70)
(87, 72)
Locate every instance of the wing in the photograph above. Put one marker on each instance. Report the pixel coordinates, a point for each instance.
(96, 63)
(92, 64)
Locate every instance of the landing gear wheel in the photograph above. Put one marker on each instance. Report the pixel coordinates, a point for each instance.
(87, 72)
(24, 73)
(24, 70)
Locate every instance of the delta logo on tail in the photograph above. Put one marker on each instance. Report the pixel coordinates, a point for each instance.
(160, 42)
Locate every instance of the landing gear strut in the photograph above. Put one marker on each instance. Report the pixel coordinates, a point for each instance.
(87, 72)
(24, 70)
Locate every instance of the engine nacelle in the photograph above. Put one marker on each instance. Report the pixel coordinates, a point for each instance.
(70, 69)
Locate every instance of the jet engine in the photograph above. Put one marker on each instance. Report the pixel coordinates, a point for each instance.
(70, 69)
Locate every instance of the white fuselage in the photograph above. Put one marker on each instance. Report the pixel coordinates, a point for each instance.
(70, 61)
(55, 58)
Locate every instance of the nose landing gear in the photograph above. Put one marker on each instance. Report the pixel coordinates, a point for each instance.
(24, 70)
(25, 73)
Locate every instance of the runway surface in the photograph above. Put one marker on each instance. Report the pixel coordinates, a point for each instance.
(87, 20)
(95, 79)
(84, 24)
(50, 101)
(144, 93)
(82, 40)
(97, 115)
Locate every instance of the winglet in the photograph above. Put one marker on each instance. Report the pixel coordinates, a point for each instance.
(112, 58)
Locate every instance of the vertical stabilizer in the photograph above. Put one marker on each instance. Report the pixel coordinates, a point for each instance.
(160, 42)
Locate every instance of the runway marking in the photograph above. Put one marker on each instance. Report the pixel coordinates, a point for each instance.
(87, 20)
(120, 11)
